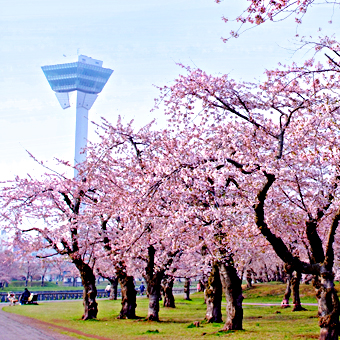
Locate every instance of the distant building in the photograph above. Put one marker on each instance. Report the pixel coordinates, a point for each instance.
(88, 78)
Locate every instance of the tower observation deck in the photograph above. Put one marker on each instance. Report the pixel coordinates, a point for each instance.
(87, 77)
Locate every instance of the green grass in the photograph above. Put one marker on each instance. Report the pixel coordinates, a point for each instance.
(272, 323)
(273, 292)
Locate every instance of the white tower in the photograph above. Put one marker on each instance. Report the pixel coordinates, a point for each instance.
(87, 77)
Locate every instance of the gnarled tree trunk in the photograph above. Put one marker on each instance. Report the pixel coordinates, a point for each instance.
(288, 291)
(167, 285)
(233, 293)
(187, 289)
(128, 292)
(249, 278)
(154, 293)
(321, 260)
(153, 281)
(90, 291)
(114, 288)
(295, 281)
(328, 306)
(213, 296)
(200, 286)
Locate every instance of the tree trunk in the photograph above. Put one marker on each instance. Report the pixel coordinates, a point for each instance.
(233, 293)
(200, 286)
(153, 281)
(328, 306)
(266, 273)
(213, 296)
(90, 291)
(288, 291)
(278, 274)
(169, 300)
(296, 292)
(114, 288)
(154, 294)
(128, 292)
(249, 278)
(187, 289)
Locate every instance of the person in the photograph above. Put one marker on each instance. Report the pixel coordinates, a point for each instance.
(11, 298)
(108, 290)
(24, 296)
(141, 288)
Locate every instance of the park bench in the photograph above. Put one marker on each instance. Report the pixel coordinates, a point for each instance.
(33, 299)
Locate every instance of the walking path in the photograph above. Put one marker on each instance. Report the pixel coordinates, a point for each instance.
(15, 327)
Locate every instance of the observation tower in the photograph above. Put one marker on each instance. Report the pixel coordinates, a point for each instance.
(87, 77)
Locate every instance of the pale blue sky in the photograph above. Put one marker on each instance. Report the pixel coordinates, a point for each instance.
(141, 40)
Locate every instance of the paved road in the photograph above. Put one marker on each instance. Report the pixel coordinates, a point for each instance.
(15, 327)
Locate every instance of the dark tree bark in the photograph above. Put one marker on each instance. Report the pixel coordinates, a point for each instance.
(249, 278)
(128, 292)
(114, 288)
(280, 274)
(153, 280)
(266, 273)
(328, 306)
(321, 260)
(90, 291)
(113, 285)
(187, 289)
(295, 281)
(167, 285)
(232, 286)
(241, 275)
(288, 291)
(154, 293)
(200, 286)
(213, 296)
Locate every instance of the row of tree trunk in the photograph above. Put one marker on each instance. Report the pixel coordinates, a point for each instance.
(223, 277)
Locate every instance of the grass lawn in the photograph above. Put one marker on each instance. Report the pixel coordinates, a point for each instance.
(273, 292)
(269, 322)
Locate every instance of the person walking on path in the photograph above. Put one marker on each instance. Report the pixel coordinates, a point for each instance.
(108, 290)
(141, 288)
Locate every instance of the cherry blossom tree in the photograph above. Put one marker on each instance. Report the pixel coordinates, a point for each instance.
(195, 205)
(9, 268)
(279, 142)
(141, 210)
(259, 12)
(29, 266)
(49, 216)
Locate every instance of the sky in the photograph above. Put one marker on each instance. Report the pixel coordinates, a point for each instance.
(142, 41)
